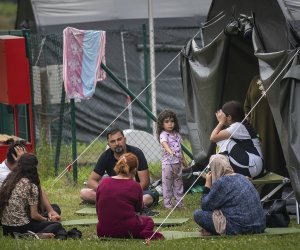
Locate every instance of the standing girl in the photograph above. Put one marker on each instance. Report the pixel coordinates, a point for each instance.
(173, 159)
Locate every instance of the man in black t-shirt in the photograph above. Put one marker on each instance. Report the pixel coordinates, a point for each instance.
(107, 161)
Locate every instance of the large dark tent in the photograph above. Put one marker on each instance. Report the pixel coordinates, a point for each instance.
(241, 39)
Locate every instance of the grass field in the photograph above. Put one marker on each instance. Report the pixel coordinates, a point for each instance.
(7, 15)
(66, 194)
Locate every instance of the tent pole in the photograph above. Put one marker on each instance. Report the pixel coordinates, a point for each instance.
(147, 96)
(152, 64)
(128, 99)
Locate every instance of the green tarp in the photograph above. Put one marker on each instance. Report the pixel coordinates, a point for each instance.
(157, 222)
(86, 211)
(169, 235)
(221, 68)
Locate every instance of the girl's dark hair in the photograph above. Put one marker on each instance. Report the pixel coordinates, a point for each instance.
(167, 113)
(235, 110)
(27, 168)
(126, 164)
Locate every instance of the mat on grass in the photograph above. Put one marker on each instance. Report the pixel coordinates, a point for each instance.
(269, 231)
(80, 222)
(86, 211)
(170, 222)
(157, 222)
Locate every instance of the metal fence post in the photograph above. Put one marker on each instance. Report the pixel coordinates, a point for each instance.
(61, 115)
(74, 146)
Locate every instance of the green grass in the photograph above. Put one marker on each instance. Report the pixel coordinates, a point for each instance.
(244, 242)
(66, 194)
(7, 15)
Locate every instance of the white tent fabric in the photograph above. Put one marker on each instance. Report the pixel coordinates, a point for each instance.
(59, 12)
(146, 142)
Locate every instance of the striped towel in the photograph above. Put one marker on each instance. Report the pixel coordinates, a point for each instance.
(83, 52)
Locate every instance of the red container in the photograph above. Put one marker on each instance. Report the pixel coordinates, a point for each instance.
(14, 71)
(4, 148)
(15, 82)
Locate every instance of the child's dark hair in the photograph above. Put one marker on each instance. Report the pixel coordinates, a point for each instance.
(167, 113)
(235, 110)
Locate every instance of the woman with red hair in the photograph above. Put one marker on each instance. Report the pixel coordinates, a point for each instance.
(118, 200)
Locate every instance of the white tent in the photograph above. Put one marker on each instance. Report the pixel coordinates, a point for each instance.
(53, 14)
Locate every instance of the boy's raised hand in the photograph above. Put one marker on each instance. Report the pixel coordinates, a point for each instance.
(221, 117)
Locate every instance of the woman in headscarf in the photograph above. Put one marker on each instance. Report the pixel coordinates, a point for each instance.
(230, 203)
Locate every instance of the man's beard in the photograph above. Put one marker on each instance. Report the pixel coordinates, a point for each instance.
(119, 150)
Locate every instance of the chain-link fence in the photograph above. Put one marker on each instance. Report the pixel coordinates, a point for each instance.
(128, 58)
